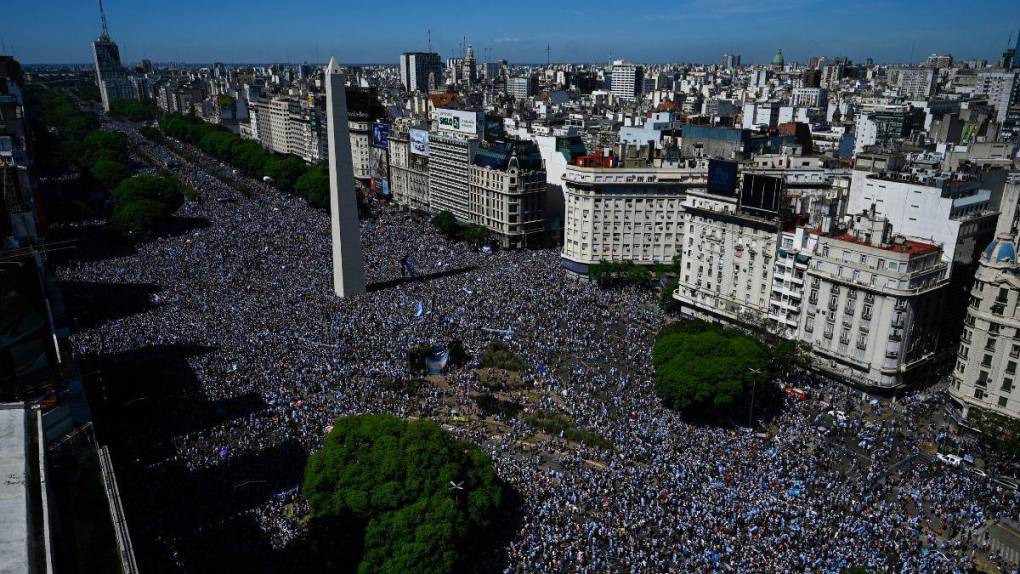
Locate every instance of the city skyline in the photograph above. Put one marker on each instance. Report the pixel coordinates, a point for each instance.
(259, 32)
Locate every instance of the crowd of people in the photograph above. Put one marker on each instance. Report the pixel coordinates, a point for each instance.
(253, 289)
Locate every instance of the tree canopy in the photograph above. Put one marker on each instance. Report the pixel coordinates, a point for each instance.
(141, 202)
(132, 110)
(703, 370)
(389, 481)
(109, 173)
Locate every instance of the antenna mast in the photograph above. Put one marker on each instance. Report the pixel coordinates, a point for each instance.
(102, 18)
(429, 30)
(548, 55)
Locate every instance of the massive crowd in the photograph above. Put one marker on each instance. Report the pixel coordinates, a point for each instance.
(254, 289)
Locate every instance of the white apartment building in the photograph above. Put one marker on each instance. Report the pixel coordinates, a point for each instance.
(453, 142)
(628, 80)
(795, 251)
(623, 214)
(943, 209)
(510, 200)
(1002, 90)
(985, 377)
(810, 97)
(728, 259)
(874, 306)
(519, 87)
(361, 147)
(409, 168)
(450, 160)
(916, 83)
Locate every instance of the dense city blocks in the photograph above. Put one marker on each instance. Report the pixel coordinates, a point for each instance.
(527, 289)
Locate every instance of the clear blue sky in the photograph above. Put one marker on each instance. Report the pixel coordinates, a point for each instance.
(359, 31)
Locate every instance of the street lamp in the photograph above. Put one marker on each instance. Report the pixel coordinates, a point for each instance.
(754, 384)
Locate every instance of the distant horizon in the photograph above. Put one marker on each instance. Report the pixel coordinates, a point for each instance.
(59, 32)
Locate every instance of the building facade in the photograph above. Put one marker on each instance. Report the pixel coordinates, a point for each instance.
(874, 305)
(618, 214)
(985, 376)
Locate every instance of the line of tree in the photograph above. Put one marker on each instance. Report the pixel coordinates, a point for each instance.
(133, 110)
(453, 229)
(388, 495)
(69, 141)
(289, 173)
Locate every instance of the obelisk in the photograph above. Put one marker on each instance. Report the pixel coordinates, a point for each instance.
(348, 266)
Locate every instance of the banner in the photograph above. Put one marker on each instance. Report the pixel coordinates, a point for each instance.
(419, 142)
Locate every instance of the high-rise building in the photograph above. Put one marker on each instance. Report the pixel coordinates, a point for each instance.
(628, 80)
(453, 142)
(470, 71)
(110, 74)
(985, 377)
(519, 87)
(1002, 90)
(420, 71)
(917, 82)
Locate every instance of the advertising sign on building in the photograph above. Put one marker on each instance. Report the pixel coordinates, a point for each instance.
(722, 177)
(458, 121)
(419, 142)
(380, 172)
(761, 194)
(380, 135)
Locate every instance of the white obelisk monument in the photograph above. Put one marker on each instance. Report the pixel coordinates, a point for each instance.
(348, 266)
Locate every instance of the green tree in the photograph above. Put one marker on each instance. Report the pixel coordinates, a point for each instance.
(476, 235)
(666, 300)
(151, 133)
(109, 173)
(703, 370)
(314, 186)
(104, 144)
(447, 223)
(135, 220)
(132, 110)
(166, 191)
(286, 171)
(389, 480)
(999, 432)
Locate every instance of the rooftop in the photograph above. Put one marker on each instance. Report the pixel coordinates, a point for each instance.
(13, 490)
(900, 245)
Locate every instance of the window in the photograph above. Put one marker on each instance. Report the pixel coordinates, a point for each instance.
(1011, 368)
(1003, 401)
(862, 340)
(866, 315)
(1007, 385)
(828, 330)
(979, 393)
(986, 361)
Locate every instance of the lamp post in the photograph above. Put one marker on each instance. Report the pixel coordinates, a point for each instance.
(754, 385)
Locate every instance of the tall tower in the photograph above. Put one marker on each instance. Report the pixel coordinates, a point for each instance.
(110, 75)
(348, 266)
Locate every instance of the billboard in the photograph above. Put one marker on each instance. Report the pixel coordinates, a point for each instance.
(761, 194)
(722, 177)
(381, 135)
(458, 121)
(379, 172)
(419, 142)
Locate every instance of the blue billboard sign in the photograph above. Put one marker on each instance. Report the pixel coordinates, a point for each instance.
(381, 135)
(722, 177)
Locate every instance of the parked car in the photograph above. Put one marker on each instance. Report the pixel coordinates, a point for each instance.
(950, 459)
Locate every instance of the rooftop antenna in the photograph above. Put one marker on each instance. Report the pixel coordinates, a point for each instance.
(102, 18)
(429, 30)
(548, 55)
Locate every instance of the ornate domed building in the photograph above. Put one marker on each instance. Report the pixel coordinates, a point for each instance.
(779, 61)
(985, 377)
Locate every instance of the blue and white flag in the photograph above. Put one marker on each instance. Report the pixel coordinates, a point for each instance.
(436, 364)
(420, 309)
